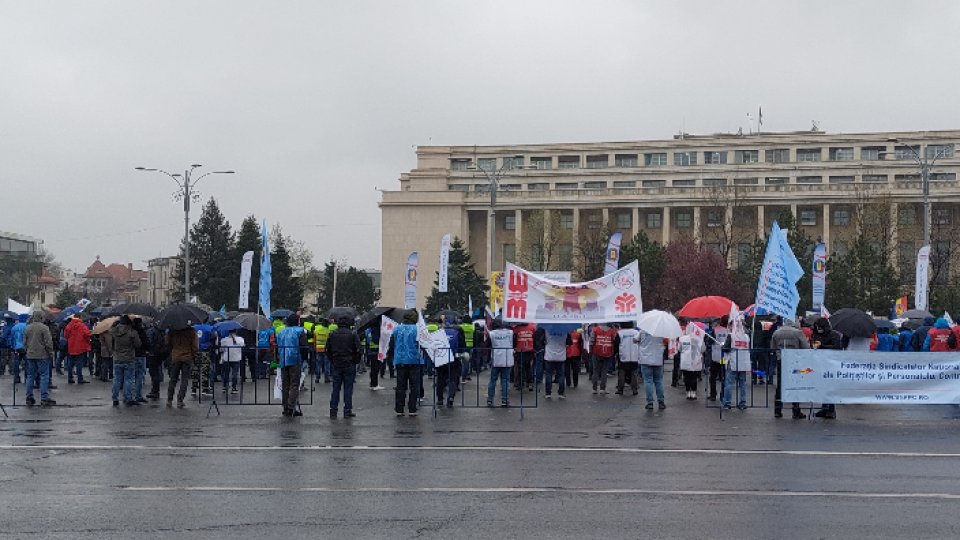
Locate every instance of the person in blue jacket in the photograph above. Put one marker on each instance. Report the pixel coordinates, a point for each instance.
(5, 330)
(18, 345)
(292, 351)
(885, 341)
(405, 351)
(903, 340)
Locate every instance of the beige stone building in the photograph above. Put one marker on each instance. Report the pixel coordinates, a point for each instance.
(722, 190)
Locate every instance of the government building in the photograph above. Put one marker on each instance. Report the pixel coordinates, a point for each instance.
(533, 203)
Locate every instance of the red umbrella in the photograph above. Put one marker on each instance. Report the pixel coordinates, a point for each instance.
(703, 307)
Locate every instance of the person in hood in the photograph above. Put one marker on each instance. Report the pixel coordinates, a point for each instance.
(940, 338)
(787, 336)
(78, 346)
(126, 341)
(140, 367)
(39, 351)
(292, 351)
(344, 353)
(404, 350)
(5, 354)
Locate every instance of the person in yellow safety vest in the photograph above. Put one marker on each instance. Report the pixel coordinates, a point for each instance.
(371, 348)
(320, 333)
(468, 362)
(308, 324)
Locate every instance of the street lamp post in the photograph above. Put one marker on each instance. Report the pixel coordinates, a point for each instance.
(187, 193)
(494, 176)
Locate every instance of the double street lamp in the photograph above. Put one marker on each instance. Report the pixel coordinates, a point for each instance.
(185, 193)
(494, 176)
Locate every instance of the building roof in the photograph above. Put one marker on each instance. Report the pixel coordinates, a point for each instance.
(96, 270)
(47, 279)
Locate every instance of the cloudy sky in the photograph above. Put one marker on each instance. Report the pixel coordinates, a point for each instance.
(317, 105)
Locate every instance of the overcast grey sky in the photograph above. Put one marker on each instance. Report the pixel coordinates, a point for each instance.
(318, 104)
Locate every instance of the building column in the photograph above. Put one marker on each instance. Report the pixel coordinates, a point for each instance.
(547, 235)
(517, 232)
(605, 217)
(894, 237)
(728, 234)
(696, 225)
(665, 226)
(761, 218)
(575, 233)
(635, 221)
(826, 226)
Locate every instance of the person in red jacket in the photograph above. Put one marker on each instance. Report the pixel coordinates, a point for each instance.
(524, 349)
(602, 350)
(78, 345)
(574, 354)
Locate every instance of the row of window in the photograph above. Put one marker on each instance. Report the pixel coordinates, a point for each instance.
(710, 157)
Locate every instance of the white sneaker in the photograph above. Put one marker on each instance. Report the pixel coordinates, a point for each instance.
(376, 388)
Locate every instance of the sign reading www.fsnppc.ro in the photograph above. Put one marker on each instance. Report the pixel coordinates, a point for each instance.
(870, 377)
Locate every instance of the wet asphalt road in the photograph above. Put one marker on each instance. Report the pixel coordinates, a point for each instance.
(587, 467)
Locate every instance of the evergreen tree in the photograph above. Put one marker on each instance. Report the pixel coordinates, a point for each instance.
(354, 288)
(862, 278)
(67, 297)
(463, 282)
(287, 291)
(650, 257)
(211, 259)
(248, 239)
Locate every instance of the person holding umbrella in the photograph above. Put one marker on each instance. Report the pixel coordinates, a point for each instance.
(126, 341)
(652, 352)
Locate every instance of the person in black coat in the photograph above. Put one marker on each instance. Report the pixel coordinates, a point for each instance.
(345, 353)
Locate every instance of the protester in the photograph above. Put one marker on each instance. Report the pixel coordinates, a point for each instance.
(344, 352)
(787, 336)
(404, 351)
(628, 359)
(885, 341)
(106, 357)
(652, 351)
(523, 368)
(468, 363)
(184, 347)
(156, 355)
(38, 350)
(5, 327)
(826, 338)
(718, 334)
(371, 348)
(555, 357)
(574, 357)
(231, 356)
(601, 347)
(447, 377)
(940, 338)
(691, 358)
(320, 334)
(502, 344)
(126, 341)
(736, 352)
(18, 345)
(292, 352)
(140, 368)
(78, 345)
(920, 334)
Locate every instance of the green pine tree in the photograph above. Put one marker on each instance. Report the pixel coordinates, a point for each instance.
(287, 291)
(463, 282)
(650, 257)
(354, 288)
(211, 259)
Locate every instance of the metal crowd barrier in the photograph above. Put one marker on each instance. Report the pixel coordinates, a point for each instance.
(760, 380)
(479, 360)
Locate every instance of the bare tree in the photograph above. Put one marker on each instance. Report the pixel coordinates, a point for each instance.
(590, 250)
(540, 241)
(725, 204)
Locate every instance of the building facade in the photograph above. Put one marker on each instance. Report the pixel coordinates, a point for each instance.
(161, 286)
(21, 267)
(722, 190)
(114, 283)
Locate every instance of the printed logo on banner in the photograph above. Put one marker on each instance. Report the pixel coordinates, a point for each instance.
(516, 294)
(412, 274)
(624, 279)
(819, 265)
(803, 371)
(625, 303)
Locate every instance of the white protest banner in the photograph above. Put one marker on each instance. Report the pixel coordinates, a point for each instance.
(410, 282)
(439, 348)
(387, 325)
(923, 278)
(777, 287)
(444, 263)
(246, 266)
(861, 377)
(555, 275)
(614, 297)
(17, 307)
(612, 259)
(819, 274)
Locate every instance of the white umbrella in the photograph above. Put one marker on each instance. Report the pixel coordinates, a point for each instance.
(659, 324)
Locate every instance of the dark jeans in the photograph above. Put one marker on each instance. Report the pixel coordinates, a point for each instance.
(675, 374)
(290, 379)
(155, 365)
(628, 374)
(716, 374)
(555, 375)
(106, 368)
(76, 362)
(179, 371)
(777, 404)
(376, 366)
(231, 371)
(445, 381)
(690, 380)
(572, 371)
(408, 387)
(343, 376)
(523, 369)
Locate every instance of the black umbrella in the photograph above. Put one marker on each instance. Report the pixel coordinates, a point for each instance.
(280, 313)
(337, 313)
(133, 308)
(253, 321)
(449, 315)
(916, 314)
(884, 324)
(853, 322)
(180, 316)
(9, 315)
(373, 317)
(810, 319)
(912, 324)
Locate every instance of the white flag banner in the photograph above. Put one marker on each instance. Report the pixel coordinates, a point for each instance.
(923, 278)
(410, 282)
(17, 307)
(612, 298)
(439, 348)
(611, 260)
(444, 263)
(387, 326)
(246, 266)
(861, 377)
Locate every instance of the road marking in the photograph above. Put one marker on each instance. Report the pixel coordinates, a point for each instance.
(560, 490)
(518, 449)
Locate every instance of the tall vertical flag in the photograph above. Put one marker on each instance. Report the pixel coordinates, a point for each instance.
(410, 282)
(777, 287)
(900, 307)
(266, 271)
(923, 278)
(246, 267)
(612, 258)
(819, 274)
(444, 263)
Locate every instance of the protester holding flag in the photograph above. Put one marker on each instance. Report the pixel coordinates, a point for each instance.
(404, 349)
(788, 336)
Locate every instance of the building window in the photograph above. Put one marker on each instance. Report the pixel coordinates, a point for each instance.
(942, 250)
(844, 153)
(542, 163)
(595, 184)
(941, 216)
(714, 182)
(808, 154)
(509, 187)
(567, 185)
(513, 162)
(776, 180)
(566, 221)
(654, 183)
(746, 181)
(744, 255)
(487, 164)
(568, 162)
(685, 183)
(566, 254)
(714, 218)
(654, 220)
(538, 186)
(459, 164)
(939, 150)
(808, 218)
(873, 153)
(907, 177)
(841, 179)
(597, 162)
(510, 223)
(715, 158)
(940, 177)
(809, 179)
(684, 219)
(906, 152)
(876, 178)
(623, 184)
(625, 160)
(624, 220)
(841, 217)
(907, 215)
(840, 248)
(713, 246)
(684, 158)
(747, 156)
(656, 159)
(458, 187)
(594, 221)
(510, 253)
(777, 155)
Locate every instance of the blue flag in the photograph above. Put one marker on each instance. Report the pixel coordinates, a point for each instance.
(266, 272)
(777, 288)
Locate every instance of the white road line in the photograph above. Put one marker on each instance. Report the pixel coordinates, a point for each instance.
(519, 449)
(560, 490)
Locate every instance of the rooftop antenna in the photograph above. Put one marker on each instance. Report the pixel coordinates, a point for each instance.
(816, 125)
